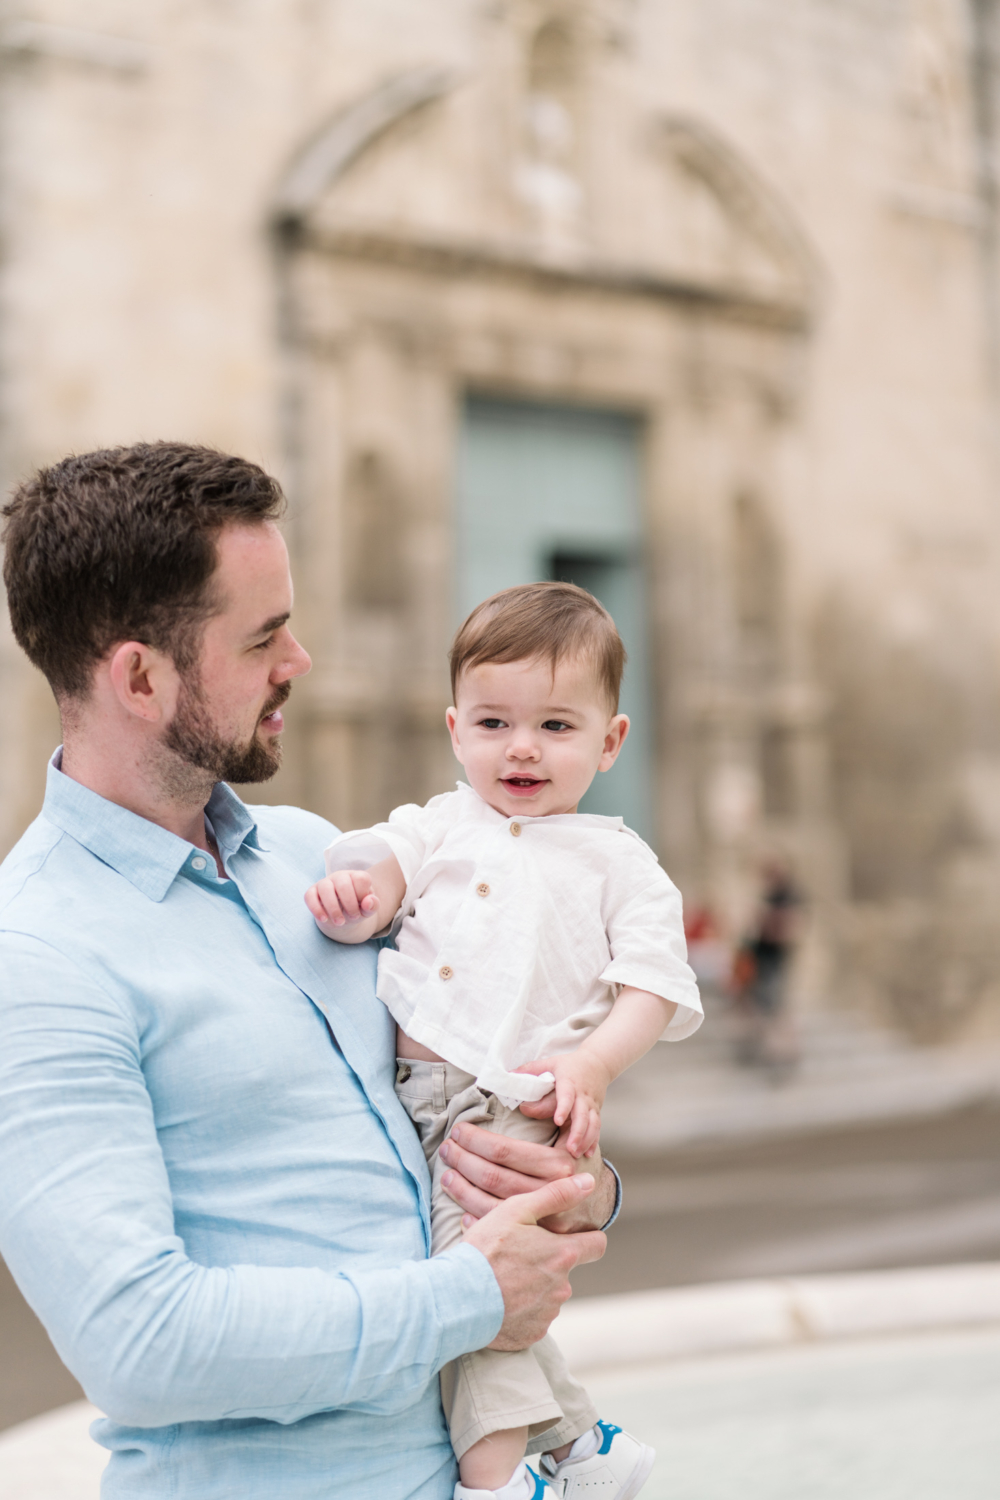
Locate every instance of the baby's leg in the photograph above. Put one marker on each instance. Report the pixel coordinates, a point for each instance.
(493, 1399)
(496, 1402)
(499, 1403)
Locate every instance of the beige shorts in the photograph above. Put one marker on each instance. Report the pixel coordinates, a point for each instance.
(490, 1390)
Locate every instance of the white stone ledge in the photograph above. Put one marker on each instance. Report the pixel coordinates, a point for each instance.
(646, 1327)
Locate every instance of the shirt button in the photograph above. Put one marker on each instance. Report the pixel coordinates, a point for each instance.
(198, 863)
(482, 890)
(515, 829)
(446, 971)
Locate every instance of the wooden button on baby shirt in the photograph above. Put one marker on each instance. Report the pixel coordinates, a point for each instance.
(515, 829)
(482, 889)
(446, 971)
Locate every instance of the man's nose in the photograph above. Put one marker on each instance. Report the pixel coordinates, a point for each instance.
(295, 662)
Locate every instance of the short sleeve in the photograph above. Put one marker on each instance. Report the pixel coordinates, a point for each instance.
(645, 927)
(410, 834)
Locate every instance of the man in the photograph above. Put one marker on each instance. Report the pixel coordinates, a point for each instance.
(208, 1191)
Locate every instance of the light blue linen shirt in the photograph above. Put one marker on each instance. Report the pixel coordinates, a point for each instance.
(208, 1190)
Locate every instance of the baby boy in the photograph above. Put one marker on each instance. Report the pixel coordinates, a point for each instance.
(537, 949)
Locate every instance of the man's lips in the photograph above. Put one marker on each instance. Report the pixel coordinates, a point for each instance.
(272, 718)
(523, 786)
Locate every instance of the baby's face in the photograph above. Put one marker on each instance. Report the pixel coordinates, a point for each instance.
(532, 741)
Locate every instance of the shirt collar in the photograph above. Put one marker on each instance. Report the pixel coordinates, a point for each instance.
(148, 856)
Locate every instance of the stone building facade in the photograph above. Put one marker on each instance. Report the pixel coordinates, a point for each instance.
(333, 234)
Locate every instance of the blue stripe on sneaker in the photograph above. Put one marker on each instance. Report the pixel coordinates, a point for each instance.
(607, 1431)
(541, 1488)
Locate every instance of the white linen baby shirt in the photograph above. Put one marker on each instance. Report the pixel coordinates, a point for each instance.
(515, 934)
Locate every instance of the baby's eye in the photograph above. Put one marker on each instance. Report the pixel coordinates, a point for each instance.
(556, 725)
(491, 723)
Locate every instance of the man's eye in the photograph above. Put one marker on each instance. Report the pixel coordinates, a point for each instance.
(556, 725)
(263, 645)
(491, 723)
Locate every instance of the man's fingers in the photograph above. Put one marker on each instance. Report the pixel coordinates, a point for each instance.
(471, 1200)
(497, 1181)
(500, 1164)
(553, 1198)
(589, 1244)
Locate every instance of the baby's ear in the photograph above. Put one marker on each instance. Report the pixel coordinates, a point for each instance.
(614, 739)
(451, 719)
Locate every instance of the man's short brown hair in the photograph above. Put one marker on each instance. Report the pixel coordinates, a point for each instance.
(541, 621)
(120, 545)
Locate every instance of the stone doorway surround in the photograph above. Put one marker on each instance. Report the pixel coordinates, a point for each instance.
(534, 232)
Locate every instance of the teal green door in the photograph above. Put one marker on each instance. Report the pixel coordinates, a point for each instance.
(554, 492)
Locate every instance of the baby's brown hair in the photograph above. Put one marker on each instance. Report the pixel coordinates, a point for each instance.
(539, 620)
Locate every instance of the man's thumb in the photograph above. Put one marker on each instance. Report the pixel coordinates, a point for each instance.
(553, 1198)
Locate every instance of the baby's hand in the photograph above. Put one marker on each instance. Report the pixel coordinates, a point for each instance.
(340, 899)
(581, 1084)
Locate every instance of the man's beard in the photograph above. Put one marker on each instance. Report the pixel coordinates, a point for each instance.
(194, 738)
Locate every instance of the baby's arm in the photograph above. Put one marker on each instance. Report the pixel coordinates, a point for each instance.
(350, 906)
(637, 1019)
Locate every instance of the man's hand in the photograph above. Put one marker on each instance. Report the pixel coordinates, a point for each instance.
(531, 1264)
(486, 1169)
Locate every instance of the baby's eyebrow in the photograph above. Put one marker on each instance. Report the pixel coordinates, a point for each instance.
(500, 708)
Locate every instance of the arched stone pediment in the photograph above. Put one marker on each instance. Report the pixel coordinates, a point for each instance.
(438, 168)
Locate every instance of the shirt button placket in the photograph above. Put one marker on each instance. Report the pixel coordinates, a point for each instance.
(445, 971)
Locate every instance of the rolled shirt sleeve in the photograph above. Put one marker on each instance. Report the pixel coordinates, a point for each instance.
(87, 1229)
(409, 834)
(648, 949)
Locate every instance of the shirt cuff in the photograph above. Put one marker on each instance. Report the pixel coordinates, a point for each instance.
(468, 1300)
(618, 1193)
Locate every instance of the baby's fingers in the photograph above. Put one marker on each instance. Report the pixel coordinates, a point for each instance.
(565, 1099)
(593, 1134)
(321, 900)
(354, 893)
(579, 1123)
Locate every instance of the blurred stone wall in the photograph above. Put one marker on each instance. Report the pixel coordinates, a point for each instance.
(304, 229)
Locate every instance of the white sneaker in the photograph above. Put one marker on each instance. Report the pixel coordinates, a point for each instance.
(617, 1471)
(537, 1487)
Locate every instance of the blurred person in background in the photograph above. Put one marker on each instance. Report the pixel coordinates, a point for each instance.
(767, 1037)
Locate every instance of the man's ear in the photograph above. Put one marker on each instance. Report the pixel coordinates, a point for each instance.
(451, 719)
(145, 682)
(614, 739)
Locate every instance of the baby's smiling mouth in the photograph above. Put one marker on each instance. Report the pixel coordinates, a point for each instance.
(523, 784)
